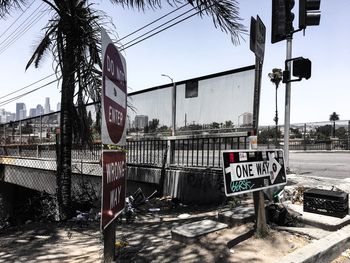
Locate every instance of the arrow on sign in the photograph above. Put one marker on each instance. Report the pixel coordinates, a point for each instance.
(250, 170)
(274, 167)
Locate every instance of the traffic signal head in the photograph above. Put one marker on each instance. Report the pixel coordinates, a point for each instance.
(309, 13)
(282, 19)
(302, 68)
(289, 15)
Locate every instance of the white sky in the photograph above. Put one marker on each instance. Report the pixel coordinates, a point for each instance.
(195, 48)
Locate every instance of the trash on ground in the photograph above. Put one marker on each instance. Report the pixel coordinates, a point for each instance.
(279, 215)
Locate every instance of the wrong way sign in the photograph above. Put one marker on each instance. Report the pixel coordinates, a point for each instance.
(251, 170)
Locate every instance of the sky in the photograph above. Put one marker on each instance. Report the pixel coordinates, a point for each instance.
(195, 48)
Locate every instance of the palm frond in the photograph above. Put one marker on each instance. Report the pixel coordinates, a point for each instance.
(138, 4)
(6, 6)
(225, 15)
(39, 51)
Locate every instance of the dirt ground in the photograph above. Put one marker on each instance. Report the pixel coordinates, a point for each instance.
(211, 248)
(40, 242)
(50, 242)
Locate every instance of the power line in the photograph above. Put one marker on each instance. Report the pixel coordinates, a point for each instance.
(24, 94)
(21, 33)
(9, 94)
(151, 23)
(159, 26)
(3, 33)
(163, 29)
(34, 17)
(156, 20)
(22, 23)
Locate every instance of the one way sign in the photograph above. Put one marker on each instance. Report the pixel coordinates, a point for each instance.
(250, 170)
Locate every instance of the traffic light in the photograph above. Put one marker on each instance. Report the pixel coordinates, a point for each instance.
(309, 13)
(302, 68)
(289, 16)
(282, 19)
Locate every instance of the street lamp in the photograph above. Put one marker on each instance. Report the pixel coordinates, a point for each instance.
(173, 104)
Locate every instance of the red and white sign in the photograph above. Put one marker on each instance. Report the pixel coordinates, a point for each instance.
(113, 185)
(114, 94)
(113, 130)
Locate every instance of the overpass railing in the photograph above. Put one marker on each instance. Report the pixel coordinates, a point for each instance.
(181, 151)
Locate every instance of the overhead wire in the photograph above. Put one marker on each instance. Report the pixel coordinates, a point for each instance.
(15, 36)
(152, 30)
(24, 94)
(14, 22)
(161, 30)
(31, 84)
(25, 21)
(143, 27)
(151, 23)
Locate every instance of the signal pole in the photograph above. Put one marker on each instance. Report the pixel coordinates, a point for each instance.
(287, 102)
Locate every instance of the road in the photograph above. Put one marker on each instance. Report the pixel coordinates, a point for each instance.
(325, 164)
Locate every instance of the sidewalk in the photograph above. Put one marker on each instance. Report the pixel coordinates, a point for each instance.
(149, 239)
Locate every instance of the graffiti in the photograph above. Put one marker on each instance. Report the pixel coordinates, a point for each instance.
(237, 186)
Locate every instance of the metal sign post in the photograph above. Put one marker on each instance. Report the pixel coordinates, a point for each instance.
(113, 132)
(257, 46)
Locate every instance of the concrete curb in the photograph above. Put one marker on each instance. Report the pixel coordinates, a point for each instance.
(321, 221)
(321, 251)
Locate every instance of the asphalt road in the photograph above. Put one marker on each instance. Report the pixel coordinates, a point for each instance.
(327, 164)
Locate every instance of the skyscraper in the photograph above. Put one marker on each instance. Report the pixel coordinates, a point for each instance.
(32, 112)
(39, 110)
(2, 116)
(21, 111)
(47, 105)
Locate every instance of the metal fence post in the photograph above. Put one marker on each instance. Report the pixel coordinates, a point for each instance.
(41, 129)
(171, 151)
(268, 139)
(348, 135)
(20, 132)
(304, 136)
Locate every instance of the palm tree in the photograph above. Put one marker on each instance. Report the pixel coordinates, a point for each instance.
(334, 117)
(72, 35)
(275, 78)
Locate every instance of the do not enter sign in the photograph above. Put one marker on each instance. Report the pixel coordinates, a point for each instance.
(114, 93)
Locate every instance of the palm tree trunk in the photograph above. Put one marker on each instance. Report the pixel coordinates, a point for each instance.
(64, 171)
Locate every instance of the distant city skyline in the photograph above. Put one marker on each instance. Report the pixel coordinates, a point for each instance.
(22, 112)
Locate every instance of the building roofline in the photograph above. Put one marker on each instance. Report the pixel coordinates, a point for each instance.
(219, 74)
